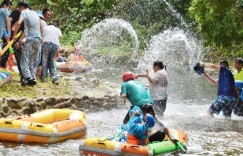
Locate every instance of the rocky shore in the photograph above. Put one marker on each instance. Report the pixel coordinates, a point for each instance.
(80, 92)
(16, 107)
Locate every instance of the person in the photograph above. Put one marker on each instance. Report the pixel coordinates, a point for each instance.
(4, 13)
(32, 46)
(139, 127)
(50, 47)
(134, 91)
(11, 20)
(46, 15)
(158, 83)
(225, 100)
(238, 109)
(238, 73)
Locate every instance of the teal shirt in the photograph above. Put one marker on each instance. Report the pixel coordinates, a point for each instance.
(136, 93)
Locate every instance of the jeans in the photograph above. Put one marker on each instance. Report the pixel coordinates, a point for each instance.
(49, 52)
(29, 58)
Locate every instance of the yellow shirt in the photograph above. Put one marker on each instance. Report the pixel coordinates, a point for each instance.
(238, 76)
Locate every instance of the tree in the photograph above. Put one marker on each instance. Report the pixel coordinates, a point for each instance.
(219, 21)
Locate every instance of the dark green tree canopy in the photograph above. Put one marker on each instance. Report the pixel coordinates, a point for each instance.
(219, 21)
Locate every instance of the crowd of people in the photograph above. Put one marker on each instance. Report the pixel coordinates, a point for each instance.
(37, 46)
(148, 106)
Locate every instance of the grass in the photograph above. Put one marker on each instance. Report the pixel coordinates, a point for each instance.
(13, 89)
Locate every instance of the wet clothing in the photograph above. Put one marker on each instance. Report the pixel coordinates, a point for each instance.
(139, 133)
(223, 103)
(158, 89)
(238, 109)
(51, 34)
(226, 82)
(159, 106)
(32, 47)
(49, 53)
(4, 13)
(157, 136)
(32, 24)
(238, 75)
(136, 93)
(28, 63)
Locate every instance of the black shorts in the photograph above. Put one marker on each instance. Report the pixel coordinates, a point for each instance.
(157, 136)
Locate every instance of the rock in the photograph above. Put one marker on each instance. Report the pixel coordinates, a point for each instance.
(14, 104)
(87, 104)
(62, 105)
(91, 99)
(97, 103)
(74, 107)
(94, 82)
(85, 98)
(74, 100)
(43, 105)
(39, 100)
(6, 110)
(48, 101)
(27, 110)
(80, 104)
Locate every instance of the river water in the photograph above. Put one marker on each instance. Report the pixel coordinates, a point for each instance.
(207, 136)
(189, 99)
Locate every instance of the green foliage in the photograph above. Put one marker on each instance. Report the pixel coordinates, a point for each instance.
(219, 22)
(70, 38)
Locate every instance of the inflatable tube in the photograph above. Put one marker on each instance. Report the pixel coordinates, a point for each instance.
(49, 126)
(5, 76)
(106, 147)
(78, 66)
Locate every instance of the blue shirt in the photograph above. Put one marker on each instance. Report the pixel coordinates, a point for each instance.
(226, 82)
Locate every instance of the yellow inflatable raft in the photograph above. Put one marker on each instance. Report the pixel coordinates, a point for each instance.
(106, 147)
(49, 126)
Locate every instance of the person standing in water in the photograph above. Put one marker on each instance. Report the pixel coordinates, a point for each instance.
(226, 83)
(158, 83)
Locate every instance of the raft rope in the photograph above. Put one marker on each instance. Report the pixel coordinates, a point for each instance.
(42, 134)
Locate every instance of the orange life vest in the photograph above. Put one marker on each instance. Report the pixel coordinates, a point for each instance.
(135, 141)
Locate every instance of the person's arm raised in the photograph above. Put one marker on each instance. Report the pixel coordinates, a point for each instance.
(210, 65)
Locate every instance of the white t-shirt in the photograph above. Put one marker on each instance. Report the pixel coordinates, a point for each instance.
(51, 34)
(158, 89)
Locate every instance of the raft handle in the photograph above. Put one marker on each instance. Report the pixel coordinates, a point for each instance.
(8, 122)
(39, 126)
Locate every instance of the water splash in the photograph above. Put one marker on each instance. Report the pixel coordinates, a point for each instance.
(113, 36)
(174, 47)
(179, 51)
(175, 13)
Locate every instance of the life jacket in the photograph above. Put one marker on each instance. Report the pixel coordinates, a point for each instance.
(135, 141)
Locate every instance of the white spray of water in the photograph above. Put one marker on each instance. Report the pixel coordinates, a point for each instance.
(107, 31)
(175, 13)
(173, 47)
